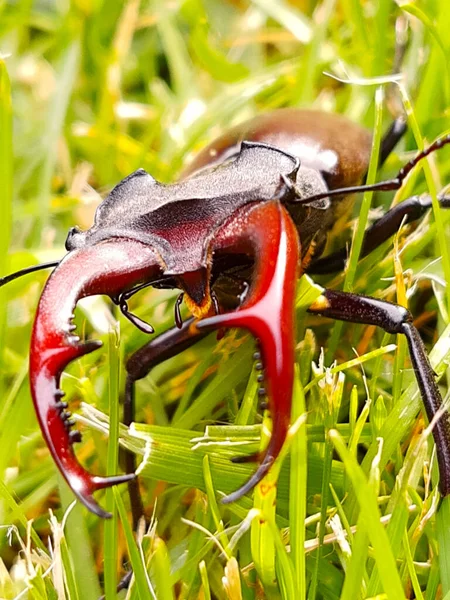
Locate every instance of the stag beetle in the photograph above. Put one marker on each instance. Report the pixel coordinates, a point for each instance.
(251, 214)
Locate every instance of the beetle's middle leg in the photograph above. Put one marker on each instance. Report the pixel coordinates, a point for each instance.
(410, 210)
(391, 138)
(393, 318)
(138, 366)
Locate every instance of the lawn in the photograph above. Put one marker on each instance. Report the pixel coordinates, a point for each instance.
(91, 91)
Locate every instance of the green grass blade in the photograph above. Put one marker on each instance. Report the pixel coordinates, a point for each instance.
(142, 582)
(358, 236)
(262, 535)
(110, 528)
(420, 14)
(161, 570)
(369, 512)
(292, 19)
(6, 165)
(437, 211)
(205, 582)
(298, 491)
(56, 116)
(6, 194)
(354, 577)
(442, 529)
(80, 548)
(332, 397)
(411, 569)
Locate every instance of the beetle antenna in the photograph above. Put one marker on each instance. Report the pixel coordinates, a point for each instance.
(382, 186)
(137, 321)
(48, 265)
(122, 303)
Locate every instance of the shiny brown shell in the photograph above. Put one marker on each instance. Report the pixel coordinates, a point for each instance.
(330, 143)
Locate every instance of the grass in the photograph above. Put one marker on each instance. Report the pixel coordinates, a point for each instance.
(90, 91)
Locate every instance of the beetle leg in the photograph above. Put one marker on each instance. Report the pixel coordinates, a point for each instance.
(267, 233)
(138, 366)
(391, 138)
(396, 319)
(107, 268)
(408, 211)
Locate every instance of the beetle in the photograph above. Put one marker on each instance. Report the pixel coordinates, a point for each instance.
(248, 217)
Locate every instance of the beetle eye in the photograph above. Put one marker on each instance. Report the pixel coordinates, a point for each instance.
(73, 239)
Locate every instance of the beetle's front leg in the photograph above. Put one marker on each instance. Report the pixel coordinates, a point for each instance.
(138, 366)
(267, 233)
(396, 319)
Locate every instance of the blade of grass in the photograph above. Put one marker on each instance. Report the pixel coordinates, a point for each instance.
(6, 195)
(311, 66)
(402, 416)
(66, 77)
(196, 545)
(177, 55)
(298, 490)
(175, 455)
(18, 514)
(230, 374)
(437, 211)
(110, 535)
(247, 410)
(411, 569)
(80, 547)
(261, 534)
(333, 390)
(354, 585)
(420, 14)
(434, 581)
(216, 63)
(442, 529)
(380, 26)
(212, 503)
(6, 165)
(69, 575)
(142, 581)
(395, 530)
(358, 237)
(112, 83)
(15, 402)
(375, 530)
(161, 571)
(205, 582)
(293, 20)
(356, 20)
(284, 566)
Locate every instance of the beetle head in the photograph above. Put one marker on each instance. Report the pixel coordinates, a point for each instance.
(146, 231)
